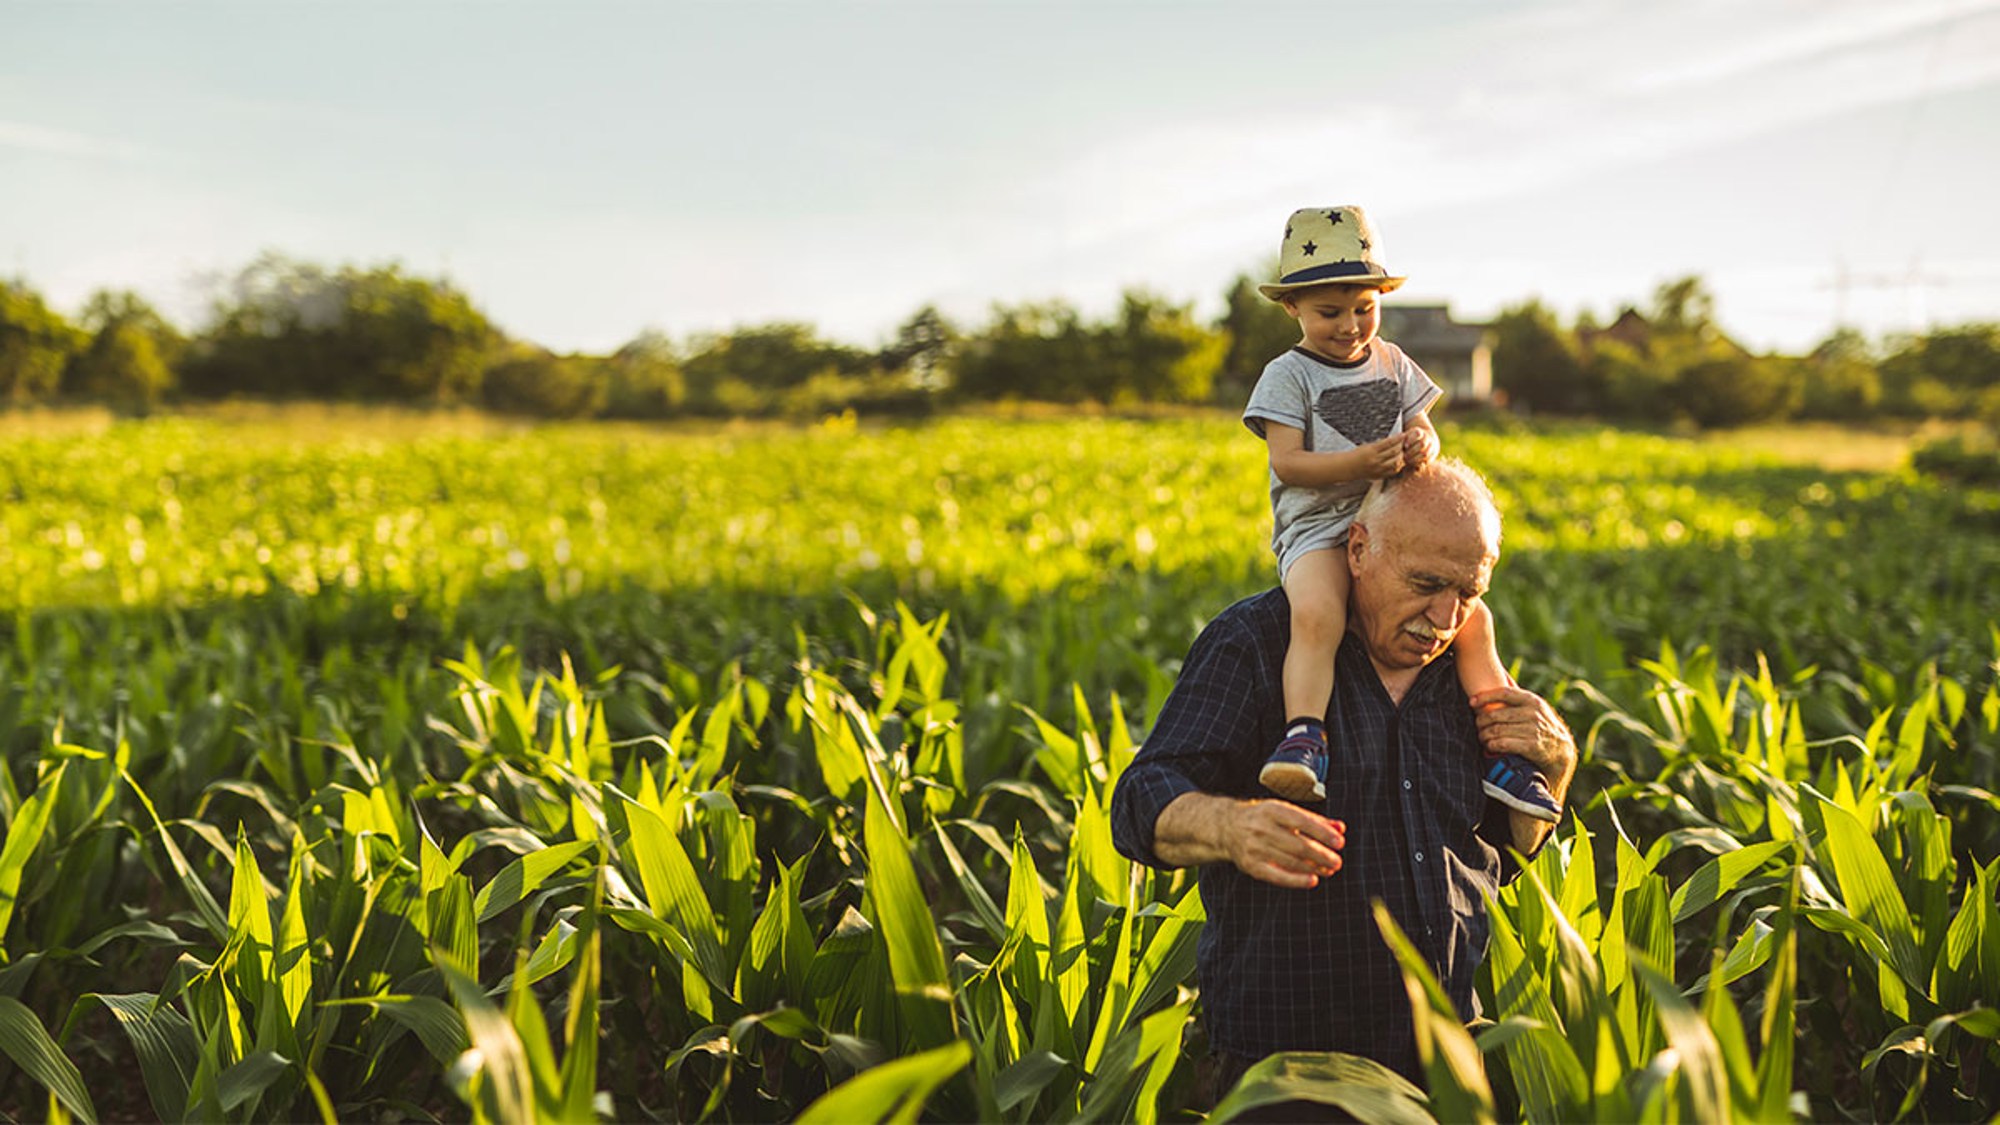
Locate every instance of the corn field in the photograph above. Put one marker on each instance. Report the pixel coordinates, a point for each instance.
(572, 773)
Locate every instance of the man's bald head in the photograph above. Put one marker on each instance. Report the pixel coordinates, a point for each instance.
(1439, 493)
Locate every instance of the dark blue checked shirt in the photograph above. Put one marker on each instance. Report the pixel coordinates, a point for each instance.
(1307, 970)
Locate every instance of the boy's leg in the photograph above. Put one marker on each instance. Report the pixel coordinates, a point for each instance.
(1510, 779)
(1479, 667)
(1316, 585)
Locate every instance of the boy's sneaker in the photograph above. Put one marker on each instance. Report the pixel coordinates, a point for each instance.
(1514, 782)
(1296, 770)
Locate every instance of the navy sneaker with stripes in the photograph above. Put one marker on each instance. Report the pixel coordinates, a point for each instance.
(1296, 770)
(1513, 781)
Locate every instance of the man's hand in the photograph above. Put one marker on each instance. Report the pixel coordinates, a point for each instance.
(1514, 720)
(1275, 841)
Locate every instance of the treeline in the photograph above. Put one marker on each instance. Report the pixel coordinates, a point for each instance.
(284, 329)
(1671, 362)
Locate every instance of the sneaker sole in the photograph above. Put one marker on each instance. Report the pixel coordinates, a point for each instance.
(1291, 781)
(1518, 805)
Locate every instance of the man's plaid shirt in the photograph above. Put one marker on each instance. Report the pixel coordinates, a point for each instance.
(1285, 969)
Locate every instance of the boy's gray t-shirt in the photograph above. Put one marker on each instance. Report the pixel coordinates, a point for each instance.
(1337, 407)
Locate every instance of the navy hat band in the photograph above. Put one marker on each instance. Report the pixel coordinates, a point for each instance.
(1331, 269)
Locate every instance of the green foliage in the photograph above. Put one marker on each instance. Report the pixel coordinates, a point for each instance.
(308, 814)
(925, 347)
(129, 359)
(290, 329)
(1839, 381)
(1030, 351)
(540, 384)
(1155, 351)
(1258, 329)
(1536, 362)
(1963, 458)
(1943, 373)
(744, 371)
(1674, 362)
(1736, 390)
(1150, 351)
(1631, 384)
(643, 379)
(35, 344)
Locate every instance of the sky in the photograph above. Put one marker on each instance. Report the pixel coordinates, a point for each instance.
(587, 171)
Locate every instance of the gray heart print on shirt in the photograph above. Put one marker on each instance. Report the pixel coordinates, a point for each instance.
(1362, 411)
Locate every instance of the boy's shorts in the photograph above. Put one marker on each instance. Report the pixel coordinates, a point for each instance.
(1302, 540)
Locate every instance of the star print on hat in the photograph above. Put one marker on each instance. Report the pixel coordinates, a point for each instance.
(1327, 245)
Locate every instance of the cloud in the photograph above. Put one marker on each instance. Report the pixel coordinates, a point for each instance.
(64, 142)
(1520, 103)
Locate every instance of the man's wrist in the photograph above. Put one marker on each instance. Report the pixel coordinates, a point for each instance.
(1189, 832)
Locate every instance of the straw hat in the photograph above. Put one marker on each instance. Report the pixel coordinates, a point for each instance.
(1325, 245)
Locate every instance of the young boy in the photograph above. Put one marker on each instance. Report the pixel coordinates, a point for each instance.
(1339, 410)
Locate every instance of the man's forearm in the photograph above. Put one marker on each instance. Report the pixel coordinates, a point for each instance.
(1190, 832)
(1275, 841)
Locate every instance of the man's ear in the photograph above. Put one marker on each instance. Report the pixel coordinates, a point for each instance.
(1357, 541)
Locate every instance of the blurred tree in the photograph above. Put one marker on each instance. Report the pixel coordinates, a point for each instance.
(1537, 363)
(1685, 307)
(1258, 330)
(291, 329)
(1723, 389)
(1631, 383)
(746, 371)
(643, 378)
(924, 346)
(36, 342)
(1031, 351)
(129, 360)
(536, 382)
(1945, 372)
(1838, 380)
(1150, 351)
(1155, 351)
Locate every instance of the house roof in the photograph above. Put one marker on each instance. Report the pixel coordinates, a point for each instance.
(1430, 328)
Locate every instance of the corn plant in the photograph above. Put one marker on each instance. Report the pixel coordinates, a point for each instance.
(357, 771)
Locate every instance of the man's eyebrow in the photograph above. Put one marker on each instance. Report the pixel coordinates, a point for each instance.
(1427, 578)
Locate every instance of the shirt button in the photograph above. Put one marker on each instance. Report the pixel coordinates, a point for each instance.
(1420, 857)
(1406, 783)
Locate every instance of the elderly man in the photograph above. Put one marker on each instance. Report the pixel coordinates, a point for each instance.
(1290, 958)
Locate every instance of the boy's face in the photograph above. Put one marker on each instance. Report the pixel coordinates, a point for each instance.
(1337, 321)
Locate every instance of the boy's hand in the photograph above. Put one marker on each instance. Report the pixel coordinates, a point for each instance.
(1420, 445)
(1381, 459)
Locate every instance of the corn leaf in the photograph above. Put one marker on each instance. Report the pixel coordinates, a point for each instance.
(1719, 876)
(520, 878)
(672, 889)
(1458, 1086)
(24, 1040)
(1704, 1077)
(902, 915)
(1359, 1086)
(1869, 891)
(162, 1040)
(244, 1083)
(436, 1024)
(506, 1092)
(894, 1092)
(23, 836)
